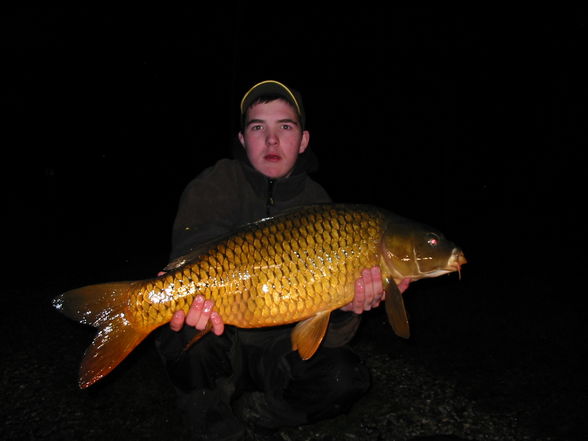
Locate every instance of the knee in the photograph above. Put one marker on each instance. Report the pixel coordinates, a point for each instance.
(347, 375)
(336, 372)
(341, 380)
(203, 364)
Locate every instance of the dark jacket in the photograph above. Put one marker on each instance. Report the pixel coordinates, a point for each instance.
(228, 195)
(231, 194)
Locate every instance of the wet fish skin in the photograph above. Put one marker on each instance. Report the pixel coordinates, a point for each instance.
(295, 267)
(277, 271)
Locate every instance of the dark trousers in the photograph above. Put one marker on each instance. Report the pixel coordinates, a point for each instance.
(256, 372)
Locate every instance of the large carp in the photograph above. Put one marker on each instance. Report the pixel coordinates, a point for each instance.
(295, 267)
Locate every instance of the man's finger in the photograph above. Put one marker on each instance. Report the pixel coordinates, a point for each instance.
(195, 311)
(370, 294)
(403, 285)
(359, 298)
(218, 326)
(377, 280)
(205, 316)
(177, 321)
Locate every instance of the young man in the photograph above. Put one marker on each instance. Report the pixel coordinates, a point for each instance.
(252, 375)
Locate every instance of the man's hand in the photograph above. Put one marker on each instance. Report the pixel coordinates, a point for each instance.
(369, 292)
(403, 285)
(200, 314)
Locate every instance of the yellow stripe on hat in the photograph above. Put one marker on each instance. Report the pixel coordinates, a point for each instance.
(283, 86)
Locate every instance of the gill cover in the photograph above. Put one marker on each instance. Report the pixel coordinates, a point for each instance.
(415, 250)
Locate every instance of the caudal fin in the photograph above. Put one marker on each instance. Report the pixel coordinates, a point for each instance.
(103, 306)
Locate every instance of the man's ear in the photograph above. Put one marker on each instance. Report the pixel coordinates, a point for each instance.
(304, 141)
(241, 139)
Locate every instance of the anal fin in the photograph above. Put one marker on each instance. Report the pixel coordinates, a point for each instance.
(308, 334)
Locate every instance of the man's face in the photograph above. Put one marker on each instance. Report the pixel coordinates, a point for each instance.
(273, 138)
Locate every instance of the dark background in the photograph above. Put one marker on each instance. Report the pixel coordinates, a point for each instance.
(471, 120)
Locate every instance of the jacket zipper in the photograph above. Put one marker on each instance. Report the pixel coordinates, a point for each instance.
(269, 203)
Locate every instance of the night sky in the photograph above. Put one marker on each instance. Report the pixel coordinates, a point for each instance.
(473, 121)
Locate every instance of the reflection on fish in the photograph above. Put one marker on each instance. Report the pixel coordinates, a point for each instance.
(296, 267)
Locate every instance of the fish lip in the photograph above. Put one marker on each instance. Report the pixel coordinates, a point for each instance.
(457, 257)
(456, 260)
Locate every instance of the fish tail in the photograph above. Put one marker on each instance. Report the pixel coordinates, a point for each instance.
(103, 306)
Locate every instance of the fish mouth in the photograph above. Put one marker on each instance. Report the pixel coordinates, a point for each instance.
(456, 260)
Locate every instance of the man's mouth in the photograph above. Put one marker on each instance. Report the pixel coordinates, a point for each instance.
(272, 158)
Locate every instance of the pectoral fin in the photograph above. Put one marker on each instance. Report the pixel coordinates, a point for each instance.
(396, 311)
(308, 334)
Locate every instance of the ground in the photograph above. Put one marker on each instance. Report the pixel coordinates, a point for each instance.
(480, 365)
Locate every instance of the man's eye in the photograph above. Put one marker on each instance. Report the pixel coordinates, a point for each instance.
(286, 127)
(255, 128)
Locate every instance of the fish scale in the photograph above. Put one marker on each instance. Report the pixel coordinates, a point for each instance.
(295, 267)
(273, 273)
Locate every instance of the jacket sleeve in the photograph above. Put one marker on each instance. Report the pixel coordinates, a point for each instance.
(171, 344)
(204, 211)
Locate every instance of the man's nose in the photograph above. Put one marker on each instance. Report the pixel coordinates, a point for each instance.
(271, 138)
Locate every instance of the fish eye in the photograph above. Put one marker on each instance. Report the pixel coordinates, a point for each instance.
(433, 240)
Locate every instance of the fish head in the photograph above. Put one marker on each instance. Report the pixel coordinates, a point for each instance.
(417, 251)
